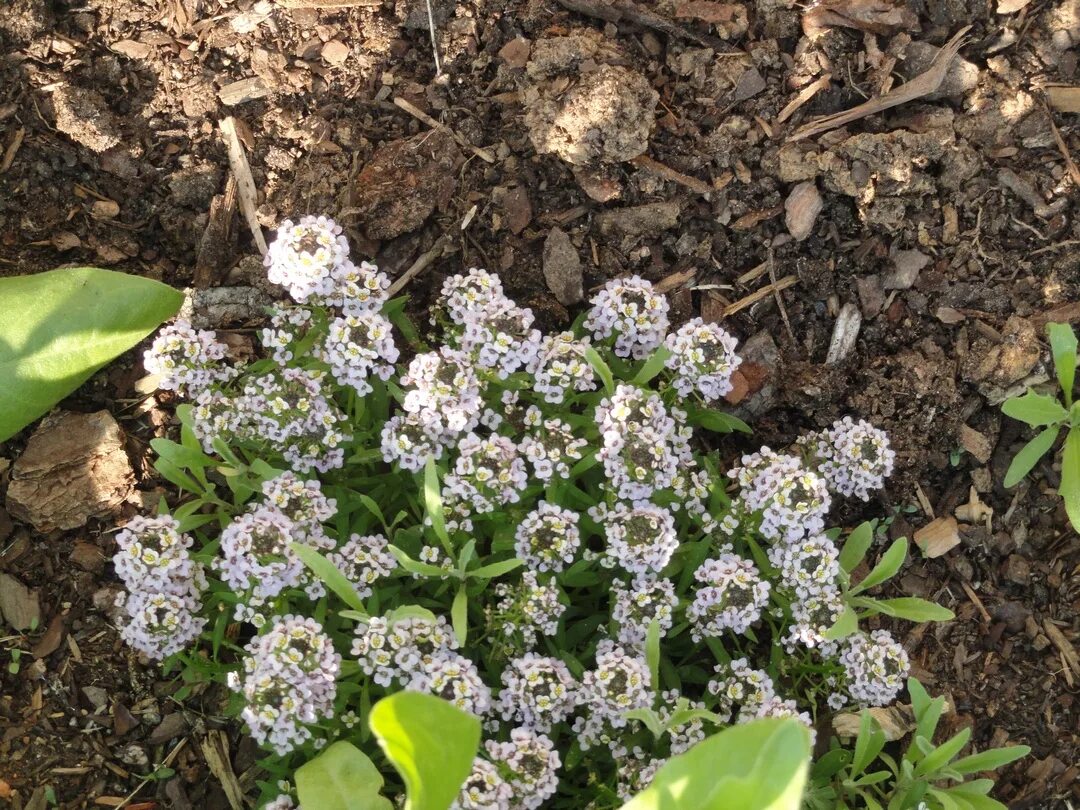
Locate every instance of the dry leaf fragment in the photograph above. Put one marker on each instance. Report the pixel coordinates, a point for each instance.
(922, 85)
(937, 537)
(132, 49)
(1011, 6)
(335, 52)
(65, 240)
(975, 443)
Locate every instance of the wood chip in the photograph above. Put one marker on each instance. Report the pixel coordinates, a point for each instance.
(238, 92)
(922, 85)
(12, 149)
(245, 184)
(975, 443)
(1063, 97)
(845, 333)
(1068, 651)
(1011, 6)
(975, 511)
(329, 3)
(335, 52)
(132, 49)
(105, 209)
(804, 95)
(659, 169)
(950, 316)
(801, 209)
(215, 747)
(755, 218)
(19, 605)
(937, 537)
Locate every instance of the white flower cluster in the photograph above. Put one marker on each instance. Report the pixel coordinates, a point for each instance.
(531, 763)
(703, 359)
(641, 539)
(186, 360)
(792, 499)
(484, 789)
(551, 447)
(455, 679)
(395, 652)
(465, 295)
(620, 682)
(288, 324)
(528, 609)
(732, 597)
(644, 445)
(809, 566)
(289, 681)
(633, 312)
(745, 694)
(853, 457)
(363, 561)
(876, 667)
(635, 606)
(538, 692)
(501, 337)
(547, 538)
(282, 802)
(561, 367)
(304, 255)
(163, 585)
(358, 347)
(489, 472)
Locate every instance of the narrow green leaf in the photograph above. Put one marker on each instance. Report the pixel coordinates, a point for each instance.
(914, 609)
(1035, 409)
(868, 744)
(330, 575)
(58, 328)
(430, 742)
(990, 760)
(496, 569)
(887, 566)
(373, 507)
(417, 567)
(920, 698)
(341, 778)
(652, 653)
(433, 502)
(653, 365)
(1029, 455)
(459, 615)
(1063, 347)
(601, 368)
(847, 624)
(941, 755)
(856, 546)
(649, 718)
(1070, 477)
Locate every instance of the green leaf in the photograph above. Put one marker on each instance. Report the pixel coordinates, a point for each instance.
(868, 744)
(762, 765)
(1070, 477)
(847, 624)
(717, 421)
(653, 366)
(914, 609)
(496, 569)
(433, 502)
(1063, 347)
(1029, 455)
(330, 575)
(652, 653)
(430, 743)
(404, 612)
(58, 328)
(373, 507)
(417, 567)
(887, 566)
(341, 778)
(990, 760)
(941, 755)
(601, 368)
(1035, 409)
(649, 718)
(856, 546)
(459, 615)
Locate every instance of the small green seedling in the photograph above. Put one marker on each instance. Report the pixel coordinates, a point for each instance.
(1053, 416)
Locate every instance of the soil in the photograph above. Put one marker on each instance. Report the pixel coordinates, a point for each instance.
(940, 234)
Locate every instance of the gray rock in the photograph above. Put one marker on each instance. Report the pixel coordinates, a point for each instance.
(562, 268)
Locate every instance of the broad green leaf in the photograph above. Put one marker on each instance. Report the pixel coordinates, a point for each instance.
(717, 421)
(914, 609)
(1029, 455)
(496, 569)
(58, 328)
(649, 718)
(847, 624)
(1070, 477)
(430, 742)
(653, 366)
(459, 615)
(927, 712)
(601, 368)
(941, 755)
(652, 653)
(828, 765)
(762, 765)
(1063, 347)
(1035, 409)
(341, 778)
(330, 575)
(868, 744)
(856, 546)
(887, 566)
(433, 502)
(990, 760)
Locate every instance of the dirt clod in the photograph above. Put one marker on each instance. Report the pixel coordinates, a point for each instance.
(84, 116)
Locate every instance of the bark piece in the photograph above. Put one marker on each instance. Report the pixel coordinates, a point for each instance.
(937, 537)
(74, 468)
(19, 605)
(801, 210)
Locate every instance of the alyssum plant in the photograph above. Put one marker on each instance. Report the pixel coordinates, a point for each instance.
(529, 527)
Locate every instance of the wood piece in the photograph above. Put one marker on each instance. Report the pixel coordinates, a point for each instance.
(1063, 97)
(216, 242)
(659, 169)
(245, 184)
(615, 11)
(215, 748)
(807, 93)
(845, 332)
(243, 90)
(12, 149)
(922, 85)
(764, 292)
(975, 600)
(1074, 172)
(1068, 651)
(422, 262)
(937, 537)
(420, 115)
(328, 3)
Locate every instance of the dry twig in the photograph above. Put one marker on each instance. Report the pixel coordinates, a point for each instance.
(659, 169)
(922, 85)
(1074, 172)
(804, 96)
(245, 184)
(764, 292)
(615, 11)
(420, 115)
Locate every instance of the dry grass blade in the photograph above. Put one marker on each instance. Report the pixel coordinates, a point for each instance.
(420, 115)
(1063, 97)
(245, 184)
(668, 173)
(804, 96)
(922, 85)
(1074, 172)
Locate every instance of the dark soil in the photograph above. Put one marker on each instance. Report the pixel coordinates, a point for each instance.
(949, 223)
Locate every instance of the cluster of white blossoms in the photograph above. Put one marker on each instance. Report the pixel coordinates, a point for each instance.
(731, 597)
(186, 360)
(854, 457)
(289, 681)
(633, 312)
(703, 358)
(163, 584)
(570, 456)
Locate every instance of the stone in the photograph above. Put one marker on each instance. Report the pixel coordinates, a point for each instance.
(871, 294)
(906, 267)
(1016, 569)
(562, 268)
(801, 209)
(19, 606)
(403, 183)
(760, 367)
(170, 727)
(74, 468)
(88, 557)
